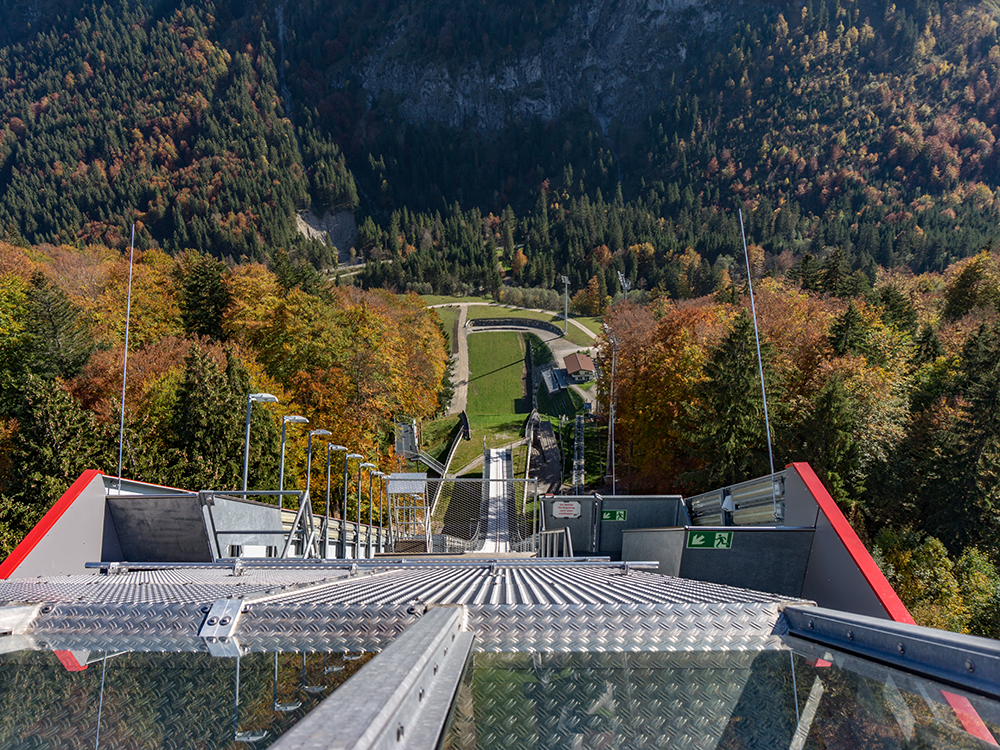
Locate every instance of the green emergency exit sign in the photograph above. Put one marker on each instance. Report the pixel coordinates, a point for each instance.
(613, 515)
(710, 539)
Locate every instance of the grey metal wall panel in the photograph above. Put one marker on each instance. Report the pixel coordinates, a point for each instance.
(580, 529)
(772, 560)
(229, 514)
(642, 512)
(157, 529)
(111, 548)
(800, 508)
(762, 559)
(833, 579)
(74, 540)
(666, 546)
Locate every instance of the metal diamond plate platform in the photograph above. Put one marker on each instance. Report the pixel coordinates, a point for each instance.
(181, 585)
(509, 607)
(676, 700)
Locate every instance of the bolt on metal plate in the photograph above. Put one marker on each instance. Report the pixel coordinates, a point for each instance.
(222, 619)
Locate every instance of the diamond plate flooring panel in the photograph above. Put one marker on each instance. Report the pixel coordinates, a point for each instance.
(181, 585)
(502, 585)
(515, 607)
(676, 700)
(185, 701)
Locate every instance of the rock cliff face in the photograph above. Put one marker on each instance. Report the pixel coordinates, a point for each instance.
(615, 57)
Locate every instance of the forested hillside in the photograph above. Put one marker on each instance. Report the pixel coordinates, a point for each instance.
(893, 397)
(202, 337)
(850, 125)
(122, 116)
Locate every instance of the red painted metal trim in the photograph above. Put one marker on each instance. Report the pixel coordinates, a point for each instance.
(969, 717)
(886, 595)
(45, 525)
(69, 661)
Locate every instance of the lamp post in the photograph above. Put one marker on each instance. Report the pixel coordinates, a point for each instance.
(285, 421)
(309, 453)
(330, 448)
(343, 510)
(613, 340)
(264, 398)
(381, 520)
(371, 509)
(565, 281)
(365, 465)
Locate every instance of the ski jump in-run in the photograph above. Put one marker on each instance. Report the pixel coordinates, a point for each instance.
(497, 490)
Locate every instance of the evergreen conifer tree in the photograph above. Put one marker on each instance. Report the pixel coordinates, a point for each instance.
(58, 344)
(849, 332)
(962, 501)
(731, 436)
(204, 298)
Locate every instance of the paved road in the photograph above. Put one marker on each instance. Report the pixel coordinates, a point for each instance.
(560, 347)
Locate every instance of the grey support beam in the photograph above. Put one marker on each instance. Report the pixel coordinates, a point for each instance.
(966, 661)
(400, 699)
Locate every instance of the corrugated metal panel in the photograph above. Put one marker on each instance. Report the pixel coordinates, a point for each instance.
(183, 585)
(545, 606)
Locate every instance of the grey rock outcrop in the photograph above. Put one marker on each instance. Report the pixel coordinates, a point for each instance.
(614, 58)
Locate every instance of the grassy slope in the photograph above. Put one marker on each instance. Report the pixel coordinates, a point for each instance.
(449, 316)
(496, 362)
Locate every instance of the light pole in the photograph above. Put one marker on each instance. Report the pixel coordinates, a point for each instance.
(613, 340)
(381, 520)
(309, 453)
(285, 421)
(343, 510)
(264, 398)
(565, 281)
(330, 448)
(365, 465)
(371, 479)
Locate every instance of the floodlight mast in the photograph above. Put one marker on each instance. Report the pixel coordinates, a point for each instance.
(285, 421)
(330, 448)
(343, 510)
(565, 281)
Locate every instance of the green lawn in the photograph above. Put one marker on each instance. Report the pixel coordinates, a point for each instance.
(449, 317)
(568, 402)
(539, 349)
(594, 324)
(435, 436)
(437, 299)
(496, 429)
(496, 364)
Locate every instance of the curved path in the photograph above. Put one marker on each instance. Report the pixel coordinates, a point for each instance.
(558, 345)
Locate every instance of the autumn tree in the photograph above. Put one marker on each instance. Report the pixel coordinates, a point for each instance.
(56, 440)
